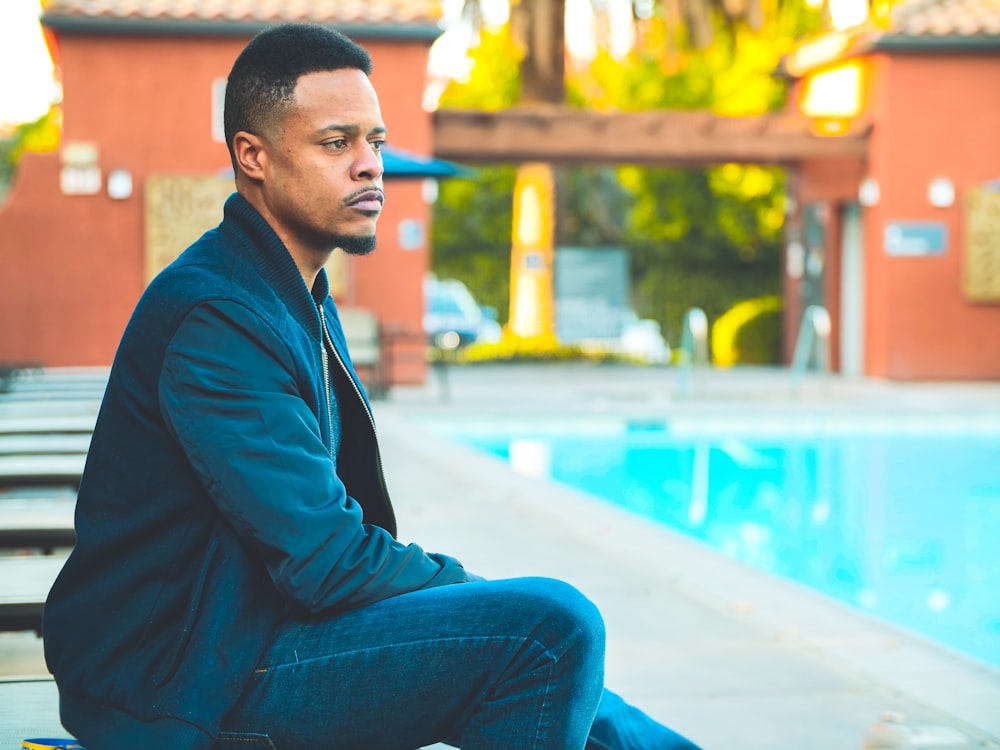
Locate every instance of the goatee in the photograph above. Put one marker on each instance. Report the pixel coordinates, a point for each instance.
(355, 244)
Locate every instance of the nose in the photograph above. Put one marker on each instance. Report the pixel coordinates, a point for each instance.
(368, 165)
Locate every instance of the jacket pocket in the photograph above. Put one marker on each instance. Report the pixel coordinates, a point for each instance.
(170, 664)
(243, 741)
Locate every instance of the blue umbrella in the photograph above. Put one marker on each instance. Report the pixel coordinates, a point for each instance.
(400, 164)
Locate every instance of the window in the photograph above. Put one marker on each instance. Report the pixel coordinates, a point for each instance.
(218, 105)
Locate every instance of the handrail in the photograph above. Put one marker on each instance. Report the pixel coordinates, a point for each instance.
(813, 343)
(694, 347)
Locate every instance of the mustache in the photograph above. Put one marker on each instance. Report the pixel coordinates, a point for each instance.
(364, 192)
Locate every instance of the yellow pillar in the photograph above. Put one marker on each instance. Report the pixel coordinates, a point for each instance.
(531, 258)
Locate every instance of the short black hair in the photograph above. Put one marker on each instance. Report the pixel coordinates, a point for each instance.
(261, 85)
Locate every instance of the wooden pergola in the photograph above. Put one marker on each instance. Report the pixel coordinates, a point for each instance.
(542, 128)
(558, 134)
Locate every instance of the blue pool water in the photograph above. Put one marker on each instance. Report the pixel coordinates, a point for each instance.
(905, 527)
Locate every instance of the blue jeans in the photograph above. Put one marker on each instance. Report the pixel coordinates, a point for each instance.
(492, 665)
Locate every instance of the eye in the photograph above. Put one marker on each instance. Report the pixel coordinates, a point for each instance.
(377, 145)
(336, 143)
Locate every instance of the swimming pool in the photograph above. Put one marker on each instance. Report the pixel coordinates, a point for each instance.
(903, 524)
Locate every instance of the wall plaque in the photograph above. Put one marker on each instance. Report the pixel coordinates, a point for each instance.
(981, 261)
(916, 238)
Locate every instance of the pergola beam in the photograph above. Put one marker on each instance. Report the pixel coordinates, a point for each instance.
(562, 135)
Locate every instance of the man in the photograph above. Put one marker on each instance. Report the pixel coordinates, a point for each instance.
(236, 581)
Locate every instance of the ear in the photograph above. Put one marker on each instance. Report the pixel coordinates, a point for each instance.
(251, 154)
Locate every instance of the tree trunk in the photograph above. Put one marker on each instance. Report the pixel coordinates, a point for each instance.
(539, 25)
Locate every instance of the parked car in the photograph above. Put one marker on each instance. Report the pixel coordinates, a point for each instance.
(453, 318)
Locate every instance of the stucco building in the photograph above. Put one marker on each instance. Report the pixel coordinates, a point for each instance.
(142, 167)
(902, 244)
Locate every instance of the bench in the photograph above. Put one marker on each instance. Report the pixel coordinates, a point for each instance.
(361, 330)
(47, 381)
(26, 583)
(37, 520)
(11, 372)
(45, 424)
(52, 394)
(43, 407)
(38, 375)
(44, 442)
(48, 470)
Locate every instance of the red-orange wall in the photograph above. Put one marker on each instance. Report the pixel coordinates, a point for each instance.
(934, 116)
(390, 281)
(73, 265)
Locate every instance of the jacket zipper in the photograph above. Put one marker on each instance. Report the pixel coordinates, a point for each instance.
(326, 377)
(328, 343)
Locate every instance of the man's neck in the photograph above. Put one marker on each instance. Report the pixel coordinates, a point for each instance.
(309, 261)
(308, 266)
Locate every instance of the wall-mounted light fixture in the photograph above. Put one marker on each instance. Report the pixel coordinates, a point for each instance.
(79, 173)
(869, 192)
(119, 184)
(941, 192)
(833, 97)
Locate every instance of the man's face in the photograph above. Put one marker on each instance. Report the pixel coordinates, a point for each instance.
(323, 183)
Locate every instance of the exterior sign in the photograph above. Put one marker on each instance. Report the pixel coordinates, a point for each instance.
(591, 289)
(916, 238)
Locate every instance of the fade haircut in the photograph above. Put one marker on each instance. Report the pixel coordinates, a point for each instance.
(261, 86)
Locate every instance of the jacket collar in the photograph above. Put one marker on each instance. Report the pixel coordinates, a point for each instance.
(275, 263)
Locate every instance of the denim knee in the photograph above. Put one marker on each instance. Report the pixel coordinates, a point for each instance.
(567, 621)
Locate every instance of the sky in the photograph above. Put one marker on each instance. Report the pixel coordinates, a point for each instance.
(26, 83)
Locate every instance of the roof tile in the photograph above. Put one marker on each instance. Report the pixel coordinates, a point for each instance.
(390, 12)
(965, 18)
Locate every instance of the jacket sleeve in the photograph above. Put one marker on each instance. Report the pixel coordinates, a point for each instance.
(229, 397)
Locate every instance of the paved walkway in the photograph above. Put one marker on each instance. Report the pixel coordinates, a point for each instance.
(729, 656)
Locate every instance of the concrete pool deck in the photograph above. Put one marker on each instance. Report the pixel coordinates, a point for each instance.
(729, 656)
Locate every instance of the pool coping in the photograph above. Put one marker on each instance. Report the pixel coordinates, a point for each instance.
(705, 423)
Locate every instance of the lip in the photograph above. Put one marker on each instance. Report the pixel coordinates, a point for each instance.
(369, 200)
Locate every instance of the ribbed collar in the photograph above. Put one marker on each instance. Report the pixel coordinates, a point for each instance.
(270, 256)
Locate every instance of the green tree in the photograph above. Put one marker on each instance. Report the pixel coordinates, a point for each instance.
(702, 238)
(472, 233)
(592, 207)
(693, 247)
(732, 75)
(7, 148)
(697, 237)
(41, 135)
(494, 82)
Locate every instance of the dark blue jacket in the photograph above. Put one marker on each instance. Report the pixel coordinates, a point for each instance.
(233, 479)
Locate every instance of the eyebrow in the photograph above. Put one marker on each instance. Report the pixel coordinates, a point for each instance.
(350, 129)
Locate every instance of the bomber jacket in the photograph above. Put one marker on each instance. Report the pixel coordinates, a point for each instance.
(233, 480)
